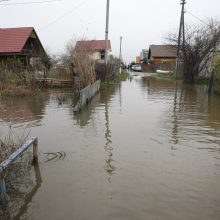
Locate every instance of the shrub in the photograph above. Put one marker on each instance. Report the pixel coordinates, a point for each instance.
(216, 69)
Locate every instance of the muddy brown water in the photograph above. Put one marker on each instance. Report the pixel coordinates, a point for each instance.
(144, 149)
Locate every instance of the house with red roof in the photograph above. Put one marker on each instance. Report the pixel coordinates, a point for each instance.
(95, 47)
(21, 43)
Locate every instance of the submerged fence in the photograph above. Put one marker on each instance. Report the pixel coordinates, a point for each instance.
(86, 94)
(17, 184)
(19, 152)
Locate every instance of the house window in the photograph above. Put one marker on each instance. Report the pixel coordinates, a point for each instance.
(102, 56)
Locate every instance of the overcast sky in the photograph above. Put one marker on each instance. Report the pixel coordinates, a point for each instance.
(140, 22)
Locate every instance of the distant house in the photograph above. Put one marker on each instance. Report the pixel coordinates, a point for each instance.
(162, 56)
(144, 56)
(95, 47)
(20, 43)
(138, 60)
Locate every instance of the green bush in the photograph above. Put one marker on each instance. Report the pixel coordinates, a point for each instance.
(216, 69)
(27, 78)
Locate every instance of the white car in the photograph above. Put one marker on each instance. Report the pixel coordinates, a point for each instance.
(137, 68)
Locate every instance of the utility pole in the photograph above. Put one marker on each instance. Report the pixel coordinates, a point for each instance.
(120, 56)
(181, 40)
(106, 32)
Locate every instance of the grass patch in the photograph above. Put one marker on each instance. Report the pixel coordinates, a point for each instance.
(119, 78)
(203, 80)
(60, 73)
(13, 84)
(162, 76)
(16, 90)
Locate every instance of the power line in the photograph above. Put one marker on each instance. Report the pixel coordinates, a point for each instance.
(199, 19)
(64, 15)
(29, 3)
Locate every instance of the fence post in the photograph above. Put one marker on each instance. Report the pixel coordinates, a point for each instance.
(2, 184)
(3, 193)
(35, 151)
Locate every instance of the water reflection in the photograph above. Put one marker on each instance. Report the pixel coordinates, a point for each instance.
(106, 96)
(61, 97)
(23, 109)
(110, 168)
(84, 116)
(199, 114)
(29, 197)
(174, 133)
(192, 112)
(21, 189)
(101, 102)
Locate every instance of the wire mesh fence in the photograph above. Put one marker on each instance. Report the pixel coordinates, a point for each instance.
(19, 179)
(18, 183)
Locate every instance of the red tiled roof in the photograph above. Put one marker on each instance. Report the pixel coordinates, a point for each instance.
(163, 51)
(12, 40)
(96, 45)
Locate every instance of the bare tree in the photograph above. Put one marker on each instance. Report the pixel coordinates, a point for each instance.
(216, 74)
(83, 65)
(200, 46)
(79, 63)
(65, 59)
(47, 64)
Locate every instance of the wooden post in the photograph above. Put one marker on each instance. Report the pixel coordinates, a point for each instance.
(181, 45)
(3, 195)
(2, 184)
(35, 151)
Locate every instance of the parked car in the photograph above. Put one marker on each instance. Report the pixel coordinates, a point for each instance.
(137, 68)
(132, 67)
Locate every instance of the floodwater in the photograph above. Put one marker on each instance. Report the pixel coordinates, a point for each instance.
(143, 149)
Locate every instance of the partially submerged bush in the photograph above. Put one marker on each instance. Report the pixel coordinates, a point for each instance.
(12, 85)
(15, 90)
(28, 78)
(216, 69)
(109, 71)
(10, 143)
(84, 65)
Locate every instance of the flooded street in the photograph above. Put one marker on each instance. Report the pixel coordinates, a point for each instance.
(142, 149)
